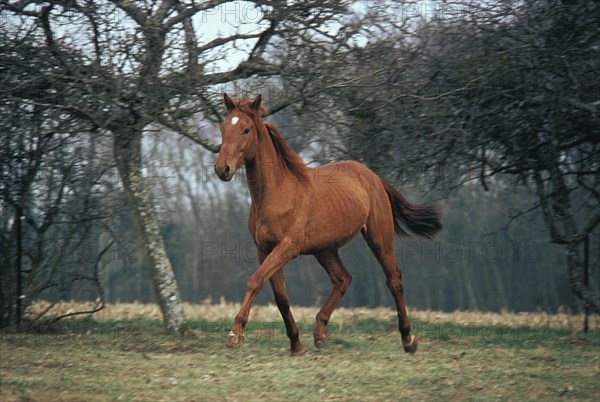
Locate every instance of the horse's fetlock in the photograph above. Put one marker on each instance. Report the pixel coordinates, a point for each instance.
(322, 318)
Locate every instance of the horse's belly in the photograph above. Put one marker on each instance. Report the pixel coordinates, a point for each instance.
(335, 224)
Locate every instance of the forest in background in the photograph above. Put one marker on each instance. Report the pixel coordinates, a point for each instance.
(486, 258)
(110, 114)
(483, 259)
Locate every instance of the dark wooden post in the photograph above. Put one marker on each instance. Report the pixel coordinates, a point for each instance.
(586, 280)
(19, 267)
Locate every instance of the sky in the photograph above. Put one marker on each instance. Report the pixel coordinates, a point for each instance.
(245, 17)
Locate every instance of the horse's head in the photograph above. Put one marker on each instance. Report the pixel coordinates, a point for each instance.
(238, 131)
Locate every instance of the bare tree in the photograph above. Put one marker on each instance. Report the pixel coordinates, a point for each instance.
(493, 93)
(122, 67)
(53, 207)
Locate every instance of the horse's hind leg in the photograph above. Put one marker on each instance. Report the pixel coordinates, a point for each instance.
(282, 301)
(382, 246)
(340, 280)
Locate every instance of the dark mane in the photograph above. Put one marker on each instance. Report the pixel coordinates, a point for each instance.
(289, 159)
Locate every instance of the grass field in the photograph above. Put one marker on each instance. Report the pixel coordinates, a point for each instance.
(122, 354)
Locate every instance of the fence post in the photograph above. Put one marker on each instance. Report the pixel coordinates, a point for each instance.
(586, 280)
(19, 262)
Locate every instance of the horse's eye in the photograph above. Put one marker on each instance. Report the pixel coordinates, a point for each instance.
(246, 130)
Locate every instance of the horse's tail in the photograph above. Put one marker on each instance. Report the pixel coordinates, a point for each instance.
(420, 219)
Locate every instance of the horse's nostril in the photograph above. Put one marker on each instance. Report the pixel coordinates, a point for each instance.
(223, 173)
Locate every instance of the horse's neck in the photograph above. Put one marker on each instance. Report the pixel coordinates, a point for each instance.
(264, 175)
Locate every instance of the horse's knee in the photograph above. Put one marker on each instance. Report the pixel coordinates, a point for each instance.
(254, 284)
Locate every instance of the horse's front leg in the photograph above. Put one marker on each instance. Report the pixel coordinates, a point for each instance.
(279, 256)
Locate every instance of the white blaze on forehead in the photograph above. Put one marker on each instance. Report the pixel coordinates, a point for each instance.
(234, 120)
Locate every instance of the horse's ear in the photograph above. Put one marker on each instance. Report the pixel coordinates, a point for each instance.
(255, 105)
(228, 102)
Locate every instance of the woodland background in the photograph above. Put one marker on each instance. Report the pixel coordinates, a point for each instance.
(109, 120)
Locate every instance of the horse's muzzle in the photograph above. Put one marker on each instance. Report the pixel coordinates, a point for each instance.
(224, 173)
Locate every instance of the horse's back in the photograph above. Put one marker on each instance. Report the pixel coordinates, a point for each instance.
(348, 176)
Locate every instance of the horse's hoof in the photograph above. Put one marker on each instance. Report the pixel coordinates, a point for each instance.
(410, 346)
(320, 340)
(298, 351)
(234, 340)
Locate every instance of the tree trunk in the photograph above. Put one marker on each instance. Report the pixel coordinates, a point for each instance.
(576, 276)
(127, 151)
(556, 206)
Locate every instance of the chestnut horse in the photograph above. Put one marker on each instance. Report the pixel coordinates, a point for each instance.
(300, 210)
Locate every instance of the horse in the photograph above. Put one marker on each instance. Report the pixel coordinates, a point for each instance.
(297, 210)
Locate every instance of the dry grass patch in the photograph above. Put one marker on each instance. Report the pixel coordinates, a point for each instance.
(225, 311)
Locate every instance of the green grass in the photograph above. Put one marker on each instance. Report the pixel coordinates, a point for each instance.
(133, 360)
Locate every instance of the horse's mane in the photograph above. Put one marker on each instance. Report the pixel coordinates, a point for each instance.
(290, 161)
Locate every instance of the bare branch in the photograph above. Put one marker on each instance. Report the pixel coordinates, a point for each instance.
(224, 40)
(132, 10)
(191, 10)
(174, 125)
